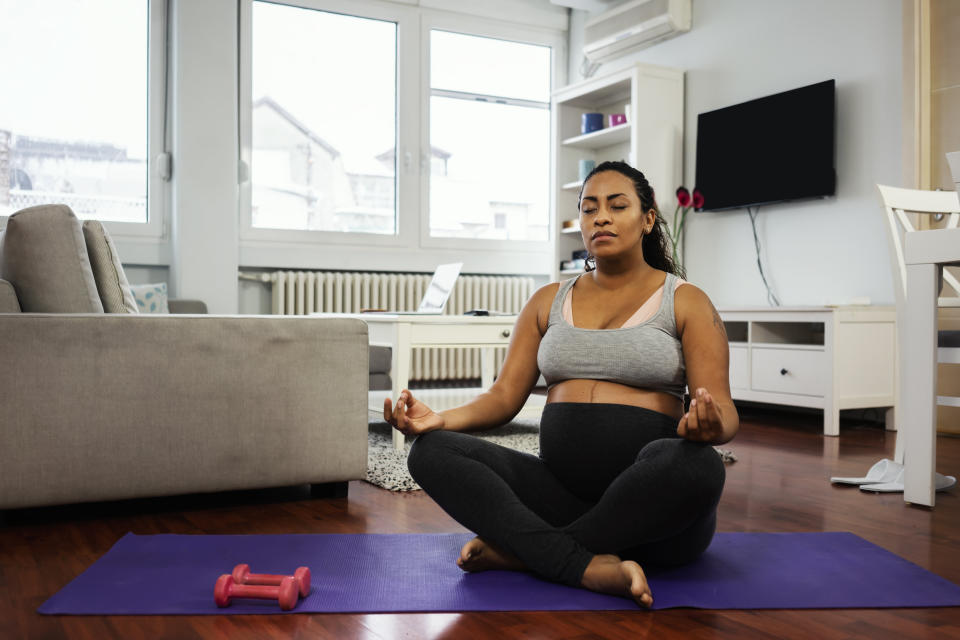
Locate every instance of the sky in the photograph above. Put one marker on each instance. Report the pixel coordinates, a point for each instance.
(75, 70)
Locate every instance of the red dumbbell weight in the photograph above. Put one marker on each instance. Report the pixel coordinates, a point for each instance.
(285, 593)
(242, 575)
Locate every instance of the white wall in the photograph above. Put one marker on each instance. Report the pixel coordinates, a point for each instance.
(205, 226)
(814, 252)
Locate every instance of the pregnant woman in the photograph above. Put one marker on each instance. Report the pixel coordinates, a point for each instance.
(626, 476)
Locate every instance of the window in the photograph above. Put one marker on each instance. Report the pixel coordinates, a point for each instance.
(490, 133)
(324, 110)
(74, 116)
(420, 132)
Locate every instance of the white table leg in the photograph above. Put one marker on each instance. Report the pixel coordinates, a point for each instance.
(918, 381)
(899, 424)
(831, 420)
(400, 370)
(486, 368)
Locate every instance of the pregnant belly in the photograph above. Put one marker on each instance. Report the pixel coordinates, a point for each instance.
(602, 391)
(587, 445)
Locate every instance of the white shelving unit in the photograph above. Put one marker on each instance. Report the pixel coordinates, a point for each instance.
(828, 358)
(651, 139)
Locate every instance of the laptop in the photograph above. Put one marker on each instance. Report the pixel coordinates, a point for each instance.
(437, 293)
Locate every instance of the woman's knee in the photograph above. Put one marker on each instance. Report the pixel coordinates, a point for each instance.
(425, 448)
(695, 461)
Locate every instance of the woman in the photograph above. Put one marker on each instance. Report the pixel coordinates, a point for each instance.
(625, 476)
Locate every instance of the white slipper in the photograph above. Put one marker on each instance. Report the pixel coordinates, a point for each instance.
(883, 471)
(940, 483)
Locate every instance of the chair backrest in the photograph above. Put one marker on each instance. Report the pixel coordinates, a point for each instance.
(953, 161)
(898, 202)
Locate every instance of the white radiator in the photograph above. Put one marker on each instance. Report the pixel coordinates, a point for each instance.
(304, 292)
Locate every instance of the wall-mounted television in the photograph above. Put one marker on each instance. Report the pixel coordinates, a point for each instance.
(772, 149)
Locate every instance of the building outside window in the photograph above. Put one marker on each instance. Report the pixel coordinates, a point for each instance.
(325, 103)
(323, 142)
(73, 119)
(490, 111)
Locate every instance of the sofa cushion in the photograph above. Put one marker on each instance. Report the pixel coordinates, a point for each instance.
(188, 307)
(380, 356)
(45, 258)
(108, 273)
(151, 298)
(8, 298)
(380, 382)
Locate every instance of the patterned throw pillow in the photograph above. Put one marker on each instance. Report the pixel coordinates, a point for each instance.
(151, 298)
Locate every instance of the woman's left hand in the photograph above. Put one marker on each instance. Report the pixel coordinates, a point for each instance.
(704, 421)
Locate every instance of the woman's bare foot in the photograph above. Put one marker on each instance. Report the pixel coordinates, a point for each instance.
(610, 574)
(478, 555)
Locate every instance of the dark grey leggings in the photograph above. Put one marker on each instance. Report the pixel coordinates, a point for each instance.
(610, 479)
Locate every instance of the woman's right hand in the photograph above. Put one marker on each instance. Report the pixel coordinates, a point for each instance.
(410, 416)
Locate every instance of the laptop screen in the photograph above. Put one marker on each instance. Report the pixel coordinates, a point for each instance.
(438, 291)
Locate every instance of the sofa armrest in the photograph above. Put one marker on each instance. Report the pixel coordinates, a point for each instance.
(8, 298)
(103, 407)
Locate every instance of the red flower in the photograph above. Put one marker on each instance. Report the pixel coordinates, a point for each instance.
(683, 197)
(697, 199)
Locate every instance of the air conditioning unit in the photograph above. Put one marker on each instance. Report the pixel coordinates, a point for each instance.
(632, 26)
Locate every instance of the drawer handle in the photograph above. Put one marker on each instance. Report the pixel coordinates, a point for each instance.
(783, 372)
(505, 333)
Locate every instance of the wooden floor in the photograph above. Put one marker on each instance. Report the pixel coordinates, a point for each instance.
(779, 484)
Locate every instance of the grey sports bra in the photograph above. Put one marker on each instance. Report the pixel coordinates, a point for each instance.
(646, 356)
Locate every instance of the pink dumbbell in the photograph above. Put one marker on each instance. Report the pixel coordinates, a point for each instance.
(241, 575)
(226, 589)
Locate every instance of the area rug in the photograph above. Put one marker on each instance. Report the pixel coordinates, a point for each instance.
(175, 574)
(387, 467)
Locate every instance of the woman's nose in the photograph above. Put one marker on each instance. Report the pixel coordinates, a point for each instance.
(602, 217)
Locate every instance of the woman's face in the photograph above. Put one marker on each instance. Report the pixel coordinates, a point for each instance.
(611, 218)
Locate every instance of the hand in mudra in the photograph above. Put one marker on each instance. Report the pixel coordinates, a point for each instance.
(411, 417)
(704, 421)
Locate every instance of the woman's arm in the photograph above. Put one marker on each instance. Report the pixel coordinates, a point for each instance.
(712, 416)
(504, 399)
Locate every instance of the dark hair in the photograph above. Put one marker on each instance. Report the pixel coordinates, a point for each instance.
(656, 244)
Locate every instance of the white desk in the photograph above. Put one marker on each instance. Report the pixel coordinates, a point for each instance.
(404, 332)
(925, 253)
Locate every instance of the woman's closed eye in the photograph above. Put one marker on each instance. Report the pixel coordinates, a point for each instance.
(616, 207)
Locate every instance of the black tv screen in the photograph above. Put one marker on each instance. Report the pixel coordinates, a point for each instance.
(771, 149)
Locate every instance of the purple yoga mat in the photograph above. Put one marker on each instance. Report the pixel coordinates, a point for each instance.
(175, 574)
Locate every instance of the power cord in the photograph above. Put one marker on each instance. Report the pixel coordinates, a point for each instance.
(772, 299)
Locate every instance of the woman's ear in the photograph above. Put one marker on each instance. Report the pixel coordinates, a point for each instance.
(650, 222)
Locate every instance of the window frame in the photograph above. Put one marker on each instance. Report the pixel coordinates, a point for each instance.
(253, 236)
(489, 29)
(405, 249)
(145, 242)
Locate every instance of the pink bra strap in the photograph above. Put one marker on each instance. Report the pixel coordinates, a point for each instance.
(641, 315)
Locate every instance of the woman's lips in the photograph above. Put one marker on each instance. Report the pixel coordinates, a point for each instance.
(603, 234)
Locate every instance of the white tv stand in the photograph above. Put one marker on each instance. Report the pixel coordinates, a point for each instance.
(829, 358)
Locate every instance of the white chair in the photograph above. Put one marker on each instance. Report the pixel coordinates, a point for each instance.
(918, 258)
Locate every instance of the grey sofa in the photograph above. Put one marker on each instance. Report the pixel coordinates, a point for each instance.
(98, 402)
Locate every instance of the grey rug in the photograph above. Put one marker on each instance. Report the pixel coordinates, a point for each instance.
(387, 467)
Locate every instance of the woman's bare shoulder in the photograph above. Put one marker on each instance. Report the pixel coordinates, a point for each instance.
(690, 301)
(540, 302)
